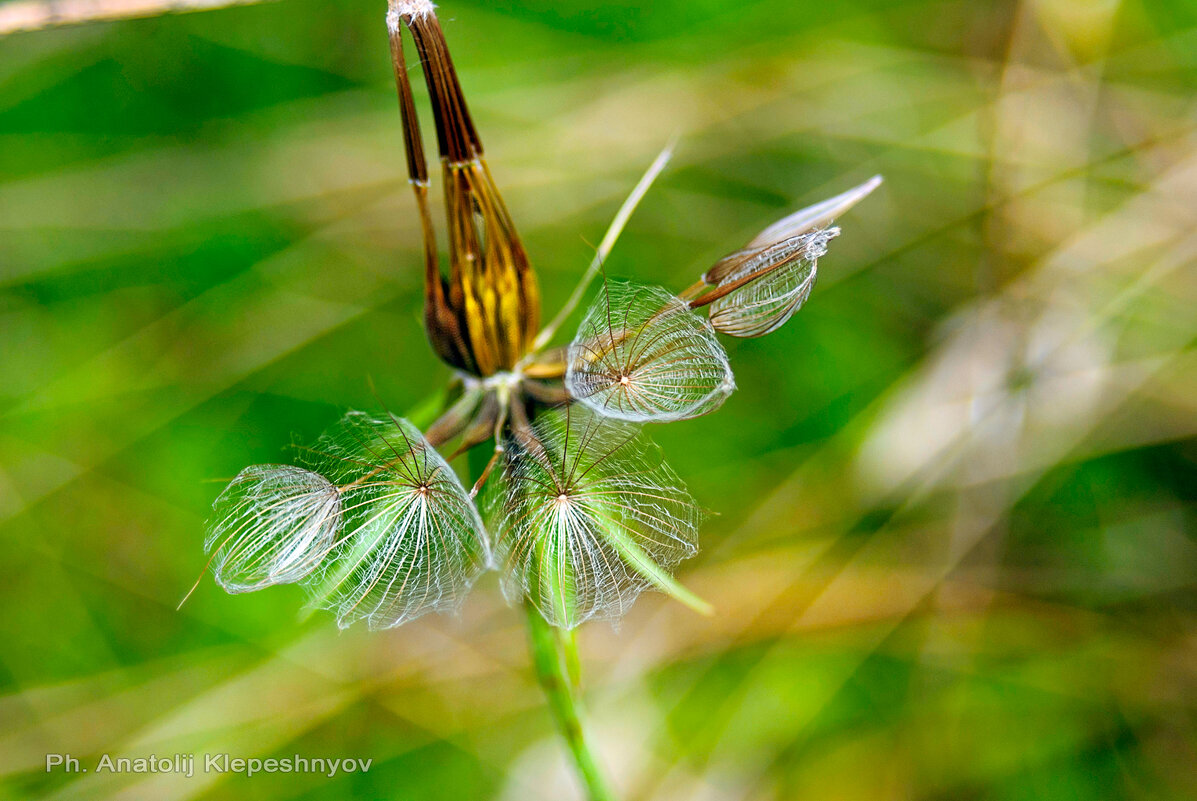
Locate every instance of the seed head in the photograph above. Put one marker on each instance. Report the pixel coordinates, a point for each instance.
(413, 541)
(641, 354)
(271, 525)
(755, 290)
(376, 523)
(593, 517)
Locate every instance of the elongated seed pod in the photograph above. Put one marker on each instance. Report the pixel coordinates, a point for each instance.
(774, 282)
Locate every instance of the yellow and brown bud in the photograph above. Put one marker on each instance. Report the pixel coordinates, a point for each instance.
(482, 316)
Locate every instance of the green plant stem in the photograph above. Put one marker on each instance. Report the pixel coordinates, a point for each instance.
(549, 659)
(569, 651)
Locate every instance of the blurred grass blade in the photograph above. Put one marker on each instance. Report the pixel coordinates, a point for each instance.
(32, 15)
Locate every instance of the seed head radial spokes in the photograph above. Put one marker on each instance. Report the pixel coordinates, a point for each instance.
(414, 542)
(642, 355)
(593, 517)
(273, 524)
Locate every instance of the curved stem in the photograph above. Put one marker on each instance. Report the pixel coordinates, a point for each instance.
(604, 248)
(549, 660)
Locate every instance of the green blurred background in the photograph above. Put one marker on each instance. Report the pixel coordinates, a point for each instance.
(954, 555)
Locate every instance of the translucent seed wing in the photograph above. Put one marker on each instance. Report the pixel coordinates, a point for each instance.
(820, 215)
(271, 525)
(641, 354)
(593, 518)
(361, 444)
(762, 305)
(415, 542)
